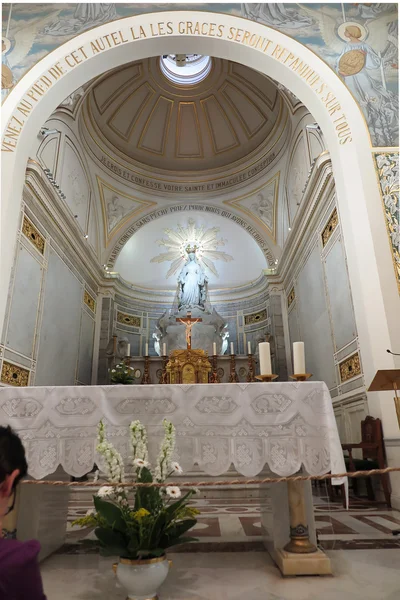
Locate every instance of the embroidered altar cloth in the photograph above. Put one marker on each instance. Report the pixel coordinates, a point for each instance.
(285, 425)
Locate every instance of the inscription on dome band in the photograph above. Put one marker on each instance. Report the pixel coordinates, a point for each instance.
(156, 214)
(164, 186)
(128, 34)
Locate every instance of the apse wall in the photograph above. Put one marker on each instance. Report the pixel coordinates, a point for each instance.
(49, 330)
(254, 317)
(318, 301)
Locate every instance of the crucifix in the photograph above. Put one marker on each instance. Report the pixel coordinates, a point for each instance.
(189, 322)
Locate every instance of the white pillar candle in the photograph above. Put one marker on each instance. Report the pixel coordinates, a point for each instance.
(128, 350)
(214, 348)
(232, 350)
(248, 347)
(147, 349)
(299, 358)
(164, 349)
(265, 358)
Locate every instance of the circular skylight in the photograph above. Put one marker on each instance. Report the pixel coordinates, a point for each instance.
(185, 69)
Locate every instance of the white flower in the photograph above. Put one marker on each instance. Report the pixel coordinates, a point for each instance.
(126, 372)
(139, 463)
(195, 490)
(90, 512)
(166, 452)
(105, 491)
(138, 441)
(173, 491)
(96, 476)
(176, 467)
(131, 368)
(113, 371)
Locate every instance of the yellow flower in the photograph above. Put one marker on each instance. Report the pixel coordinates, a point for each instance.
(140, 514)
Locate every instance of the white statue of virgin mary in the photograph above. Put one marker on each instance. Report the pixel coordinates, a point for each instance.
(192, 282)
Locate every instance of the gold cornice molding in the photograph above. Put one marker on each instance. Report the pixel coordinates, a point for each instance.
(42, 195)
(321, 184)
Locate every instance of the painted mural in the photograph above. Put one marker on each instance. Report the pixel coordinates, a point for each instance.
(358, 41)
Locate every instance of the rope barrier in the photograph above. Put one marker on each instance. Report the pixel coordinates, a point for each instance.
(198, 484)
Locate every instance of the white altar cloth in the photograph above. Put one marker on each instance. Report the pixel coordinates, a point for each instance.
(285, 425)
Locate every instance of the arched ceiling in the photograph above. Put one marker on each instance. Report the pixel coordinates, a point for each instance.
(229, 256)
(232, 115)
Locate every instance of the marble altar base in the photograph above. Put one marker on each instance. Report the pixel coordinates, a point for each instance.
(42, 513)
(275, 527)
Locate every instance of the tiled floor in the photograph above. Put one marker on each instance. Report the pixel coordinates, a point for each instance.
(362, 575)
(238, 567)
(234, 524)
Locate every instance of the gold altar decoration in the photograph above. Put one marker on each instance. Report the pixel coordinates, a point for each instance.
(188, 366)
(350, 367)
(262, 315)
(30, 231)
(89, 301)
(291, 297)
(330, 227)
(352, 62)
(130, 320)
(14, 375)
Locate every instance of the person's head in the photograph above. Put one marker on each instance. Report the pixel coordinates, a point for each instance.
(191, 255)
(13, 466)
(352, 31)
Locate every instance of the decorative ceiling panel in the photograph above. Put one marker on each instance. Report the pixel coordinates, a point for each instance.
(229, 117)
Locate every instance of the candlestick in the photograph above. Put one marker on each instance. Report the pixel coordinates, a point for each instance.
(248, 347)
(265, 358)
(232, 349)
(128, 350)
(214, 377)
(299, 361)
(164, 349)
(233, 376)
(147, 349)
(146, 372)
(270, 377)
(250, 372)
(214, 348)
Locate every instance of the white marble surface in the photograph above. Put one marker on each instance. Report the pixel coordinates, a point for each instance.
(360, 575)
(25, 299)
(59, 333)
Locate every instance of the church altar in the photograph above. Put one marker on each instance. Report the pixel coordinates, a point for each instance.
(283, 427)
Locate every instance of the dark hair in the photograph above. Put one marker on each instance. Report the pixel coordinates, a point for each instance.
(12, 455)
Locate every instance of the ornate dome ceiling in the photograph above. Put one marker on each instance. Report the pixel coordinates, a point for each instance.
(233, 115)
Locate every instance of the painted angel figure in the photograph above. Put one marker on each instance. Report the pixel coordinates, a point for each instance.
(264, 207)
(86, 14)
(361, 64)
(15, 49)
(115, 212)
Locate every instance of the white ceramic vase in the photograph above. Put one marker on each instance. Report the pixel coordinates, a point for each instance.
(142, 578)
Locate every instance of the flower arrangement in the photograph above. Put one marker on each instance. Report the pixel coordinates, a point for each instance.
(159, 516)
(121, 373)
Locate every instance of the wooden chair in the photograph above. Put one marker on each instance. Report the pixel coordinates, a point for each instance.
(373, 456)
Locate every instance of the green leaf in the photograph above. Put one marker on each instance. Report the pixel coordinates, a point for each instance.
(111, 513)
(172, 508)
(175, 531)
(112, 542)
